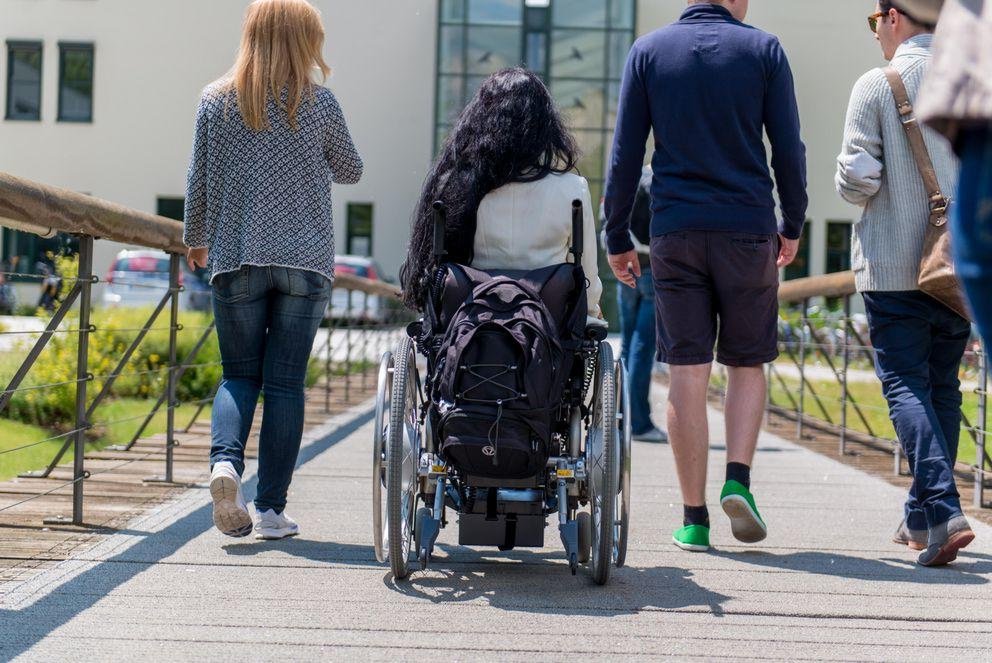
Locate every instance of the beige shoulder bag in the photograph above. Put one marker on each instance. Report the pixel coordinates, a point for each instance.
(937, 277)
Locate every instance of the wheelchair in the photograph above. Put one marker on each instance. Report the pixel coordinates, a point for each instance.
(585, 481)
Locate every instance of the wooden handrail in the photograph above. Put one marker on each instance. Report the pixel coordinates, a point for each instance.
(45, 210)
(797, 291)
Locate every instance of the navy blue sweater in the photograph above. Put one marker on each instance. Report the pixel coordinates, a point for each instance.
(707, 86)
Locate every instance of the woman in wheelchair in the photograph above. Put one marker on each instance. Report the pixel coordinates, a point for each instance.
(520, 414)
(507, 178)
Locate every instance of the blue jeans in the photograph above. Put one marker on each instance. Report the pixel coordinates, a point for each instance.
(919, 344)
(638, 347)
(972, 226)
(267, 318)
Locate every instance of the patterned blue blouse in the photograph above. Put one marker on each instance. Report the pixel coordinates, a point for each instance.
(264, 197)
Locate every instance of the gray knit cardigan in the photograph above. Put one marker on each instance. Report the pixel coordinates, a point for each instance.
(876, 171)
(264, 197)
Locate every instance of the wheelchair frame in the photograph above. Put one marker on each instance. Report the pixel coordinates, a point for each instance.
(586, 483)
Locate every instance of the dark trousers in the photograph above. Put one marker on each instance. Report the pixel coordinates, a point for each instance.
(919, 344)
(638, 346)
(972, 225)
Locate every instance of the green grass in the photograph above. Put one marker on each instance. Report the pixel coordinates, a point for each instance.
(868, 396)
(14, 434)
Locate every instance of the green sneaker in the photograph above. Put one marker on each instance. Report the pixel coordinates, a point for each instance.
(745, 521)
(694, 538)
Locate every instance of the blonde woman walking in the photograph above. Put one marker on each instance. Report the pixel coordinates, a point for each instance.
(269, 141)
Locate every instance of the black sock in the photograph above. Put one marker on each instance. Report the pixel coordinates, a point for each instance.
(695, 515)
(740, 473)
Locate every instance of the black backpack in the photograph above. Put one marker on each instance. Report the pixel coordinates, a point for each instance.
(498, 378)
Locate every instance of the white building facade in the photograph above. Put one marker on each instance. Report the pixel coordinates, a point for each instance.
(99, 95)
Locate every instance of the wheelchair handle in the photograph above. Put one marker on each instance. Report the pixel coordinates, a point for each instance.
(439, 217)
(577, 230)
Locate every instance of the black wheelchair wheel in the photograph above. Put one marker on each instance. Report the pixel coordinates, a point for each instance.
(402, 458)
(603, 466)
(380, 430)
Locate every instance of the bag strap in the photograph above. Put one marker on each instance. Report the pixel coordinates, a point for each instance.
(938, 203)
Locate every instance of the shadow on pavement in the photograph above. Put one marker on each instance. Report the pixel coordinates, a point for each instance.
(969, 569)
(542, 583)
(521, 580)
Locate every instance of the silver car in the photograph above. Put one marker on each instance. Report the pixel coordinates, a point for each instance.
(141, 278)
(362, 308)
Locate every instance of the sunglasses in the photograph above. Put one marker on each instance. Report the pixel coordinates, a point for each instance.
(873, 21)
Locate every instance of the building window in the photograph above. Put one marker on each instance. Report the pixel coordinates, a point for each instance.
(359, 239)
(578, 47)
(800, 266)
(838, 246)
(24, 80)
(170, 207)
(75, 82)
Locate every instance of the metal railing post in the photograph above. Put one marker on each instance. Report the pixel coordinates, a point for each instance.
(173, 386)
(803, 325)
(347, 356)
(982, 426)
(172, 377)
(844, 371)
(327, 362)
(85, 276)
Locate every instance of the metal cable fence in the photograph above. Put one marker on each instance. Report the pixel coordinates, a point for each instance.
(94, 358)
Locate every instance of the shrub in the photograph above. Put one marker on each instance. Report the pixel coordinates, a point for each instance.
(144, 376)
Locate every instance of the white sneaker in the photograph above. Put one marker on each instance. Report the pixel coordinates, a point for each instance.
(230, 511)
(272, 525)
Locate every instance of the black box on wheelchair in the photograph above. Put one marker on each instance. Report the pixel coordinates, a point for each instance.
(521, 414)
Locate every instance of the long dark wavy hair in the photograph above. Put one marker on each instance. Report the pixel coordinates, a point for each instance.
(511, 131)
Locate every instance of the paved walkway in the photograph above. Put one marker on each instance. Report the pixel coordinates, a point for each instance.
(826, 584)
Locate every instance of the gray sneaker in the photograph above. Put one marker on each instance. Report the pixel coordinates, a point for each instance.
(914, 539)
(945, 541)
(652, 434)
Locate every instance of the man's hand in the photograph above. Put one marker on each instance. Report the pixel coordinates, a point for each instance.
(196, 257)
(788, 248)
(626, 268)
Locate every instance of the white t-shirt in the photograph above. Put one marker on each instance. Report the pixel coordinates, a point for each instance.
(528, 225)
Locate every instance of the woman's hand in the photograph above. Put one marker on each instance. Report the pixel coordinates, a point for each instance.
(197, 257)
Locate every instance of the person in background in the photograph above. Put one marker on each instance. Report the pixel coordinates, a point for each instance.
(919, 342)
(637, 325)
(710, 86)
(269, 141)
(956, 100)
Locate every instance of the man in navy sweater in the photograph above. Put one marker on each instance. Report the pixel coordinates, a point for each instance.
(708, 86)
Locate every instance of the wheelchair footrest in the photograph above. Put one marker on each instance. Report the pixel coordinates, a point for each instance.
(431, 527)
(570, 538)
(505, 531)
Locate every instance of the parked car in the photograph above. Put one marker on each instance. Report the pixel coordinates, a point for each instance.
(141, 278)
(363, 308)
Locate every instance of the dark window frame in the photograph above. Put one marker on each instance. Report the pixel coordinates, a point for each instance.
(350, 235)
(832, 251)
(801, 267)
(23, 44)
(65, 47)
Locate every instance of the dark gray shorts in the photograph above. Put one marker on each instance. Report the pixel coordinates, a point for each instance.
(716, 289)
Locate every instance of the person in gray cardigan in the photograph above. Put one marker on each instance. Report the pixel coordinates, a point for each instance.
(956, 100)
(918, 341)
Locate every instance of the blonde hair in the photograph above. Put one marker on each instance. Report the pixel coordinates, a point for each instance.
(280, 48)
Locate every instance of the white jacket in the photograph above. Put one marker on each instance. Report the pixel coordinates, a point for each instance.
(527, 225)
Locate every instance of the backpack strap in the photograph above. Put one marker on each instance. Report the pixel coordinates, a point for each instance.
(937, 202)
